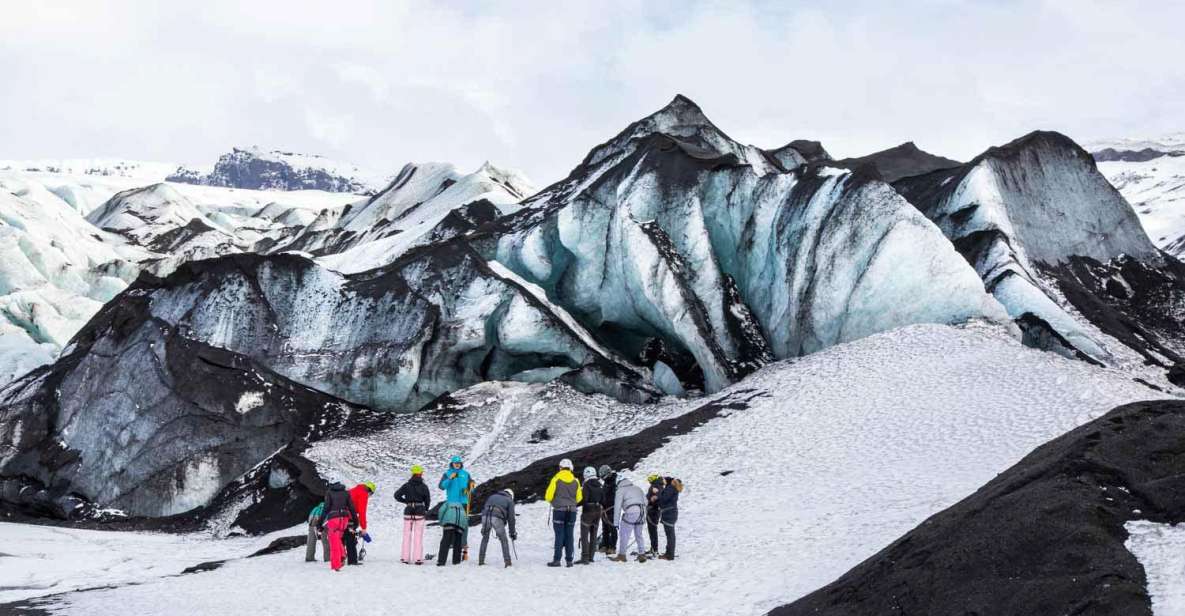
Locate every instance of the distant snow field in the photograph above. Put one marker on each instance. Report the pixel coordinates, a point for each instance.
(838, 454)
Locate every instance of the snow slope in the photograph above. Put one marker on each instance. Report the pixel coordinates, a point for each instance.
(1160, 548)
(838, 454)
(405, 214)
(1156, 189)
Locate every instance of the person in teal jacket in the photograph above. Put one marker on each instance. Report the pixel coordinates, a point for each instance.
(453, 518)
(455, 482)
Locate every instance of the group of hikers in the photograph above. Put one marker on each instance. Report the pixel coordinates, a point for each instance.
(609, 509)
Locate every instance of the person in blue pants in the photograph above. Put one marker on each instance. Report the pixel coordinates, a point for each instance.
(565, 494)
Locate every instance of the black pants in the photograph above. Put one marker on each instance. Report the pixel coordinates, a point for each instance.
(652, 528)
(450, 539)
(669, 531)
(351, 541)
(590, 521)
(608, 532)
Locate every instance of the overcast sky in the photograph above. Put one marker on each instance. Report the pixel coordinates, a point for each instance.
(535, 86)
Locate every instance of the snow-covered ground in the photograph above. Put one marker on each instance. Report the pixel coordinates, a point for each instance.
(839, 453)
(1156, 189)
(1160, 548)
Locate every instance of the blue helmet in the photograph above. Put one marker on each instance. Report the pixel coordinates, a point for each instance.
(455, 460)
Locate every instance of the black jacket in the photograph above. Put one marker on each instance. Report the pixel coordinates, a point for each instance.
(652, 494)
(415, 495)
(338, 505)
(594, 496)
(609, 489)
(668, 504)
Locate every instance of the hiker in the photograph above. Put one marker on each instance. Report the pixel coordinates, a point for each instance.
(360, 496)
(337, 514)
(564, 493)
(630, 505)
(416, 498)
(497, 515)
(316, 536)
(590, 515)
(668, 513)
(608, 523)
(652, 512)
(452, 517)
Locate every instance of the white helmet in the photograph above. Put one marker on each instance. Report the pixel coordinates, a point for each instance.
(509, 493)
(566, 463)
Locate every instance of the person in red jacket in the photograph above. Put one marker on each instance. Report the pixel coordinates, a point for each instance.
(360, 495)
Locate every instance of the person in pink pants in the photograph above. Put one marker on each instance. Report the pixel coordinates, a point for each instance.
(416, 497)
(337, 550)
(337, 514)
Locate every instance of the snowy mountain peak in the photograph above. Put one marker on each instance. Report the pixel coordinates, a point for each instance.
(256, 168)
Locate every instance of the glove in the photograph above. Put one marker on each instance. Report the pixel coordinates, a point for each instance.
(366, 537)
(513, 537)
(453, 476)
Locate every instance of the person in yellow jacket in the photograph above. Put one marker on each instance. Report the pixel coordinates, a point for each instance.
(564, 493)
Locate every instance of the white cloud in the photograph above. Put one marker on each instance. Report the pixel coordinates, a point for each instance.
(535, 85)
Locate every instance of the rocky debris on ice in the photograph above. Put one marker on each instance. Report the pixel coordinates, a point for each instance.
(729, 254)
(1049, 235)
(160, 431)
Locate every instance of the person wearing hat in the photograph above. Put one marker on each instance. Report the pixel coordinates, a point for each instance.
(590, 515)
(608, 517)
(452, 516)
(416, 498)
(360, 496)
(653, 512)
(497, 515)
(564, 493)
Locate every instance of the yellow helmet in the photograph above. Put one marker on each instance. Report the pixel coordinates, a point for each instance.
(370, 486)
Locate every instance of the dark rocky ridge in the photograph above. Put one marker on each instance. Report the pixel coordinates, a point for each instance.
(1132, 156)
(905, 160)
(1044, 537)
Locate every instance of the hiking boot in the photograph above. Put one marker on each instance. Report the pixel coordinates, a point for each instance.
(666, 557)
(620, 558)
(582, 561)
(641, 558)
(508, 563)
(568, 563)
(554, 563)
(481, 563)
